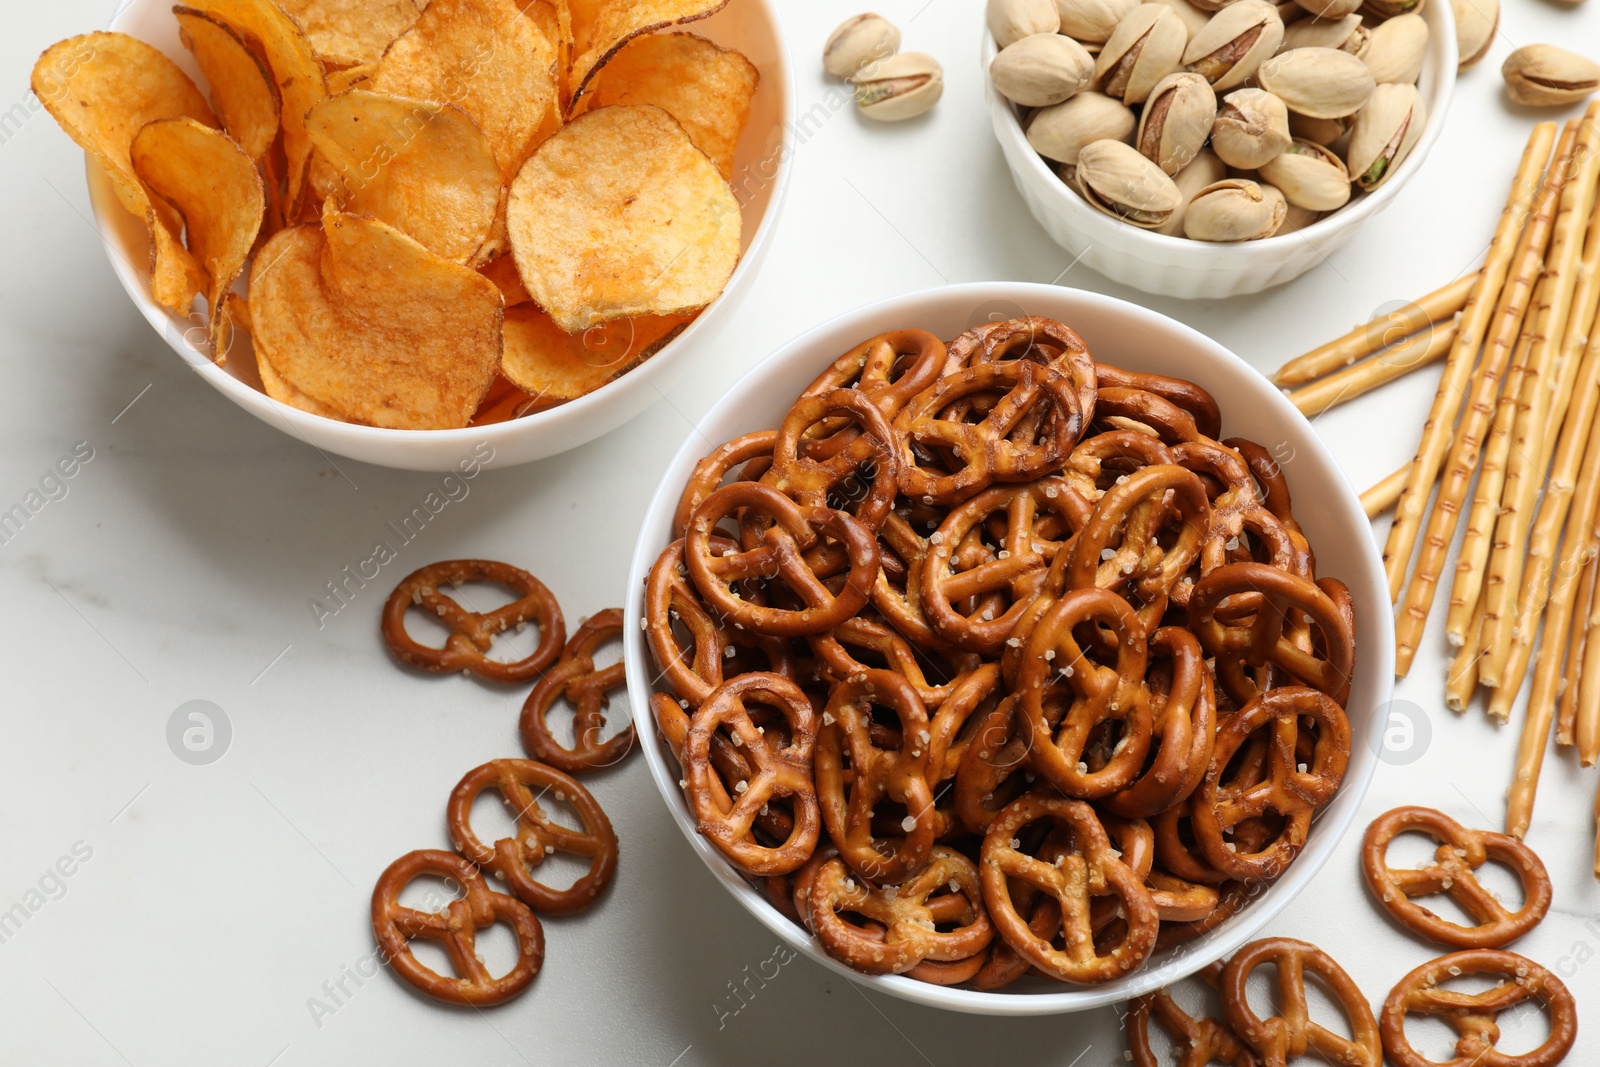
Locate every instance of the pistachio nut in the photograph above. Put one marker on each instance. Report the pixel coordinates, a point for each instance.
(1012, 20)
(1309, 176)
(1041, 70)
(1476, 23)
(1396, 48)
(1347, 34)
(1202, 171)
(900, 87)
(1329, 9)
(1193, 16)
(1542, 75)
(857, 42)
(1378, 10)
(1234, 209)
(1176, 120)
(1091, 21)
(1061, 131)
(1115, 178)
(1318, 131)
(1280, 206)
(1236, 40)
(1251, 128)
(1384, 133)
(1144, 48)
(1323, 83)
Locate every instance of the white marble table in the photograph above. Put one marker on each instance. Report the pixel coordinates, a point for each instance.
(217, 913)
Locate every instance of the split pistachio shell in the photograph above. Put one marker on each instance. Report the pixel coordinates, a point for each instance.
(1252, 128)
(1205, 169)
(1234, 43)
(900, 87)
(1323, 83)
(1318, 131)
(1542, 75)
(857, 42)
(1192, 16)
(1280, 206)
(1041, 70)
(1394, 52)
(1384, 133)
(1012, 20)
(1115, 178)
(1091, 21)
(1060, 132)
(1176, 120)
(1347, 34)
(1378, 10)
(1145, 47)
(1310, 177)
(1330, 9)
(1476, 23)
(1234, 209)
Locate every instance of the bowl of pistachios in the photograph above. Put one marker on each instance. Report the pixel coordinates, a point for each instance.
(1214, 148)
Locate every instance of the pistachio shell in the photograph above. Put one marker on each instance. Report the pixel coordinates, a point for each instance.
(1252, 128)
(1280, 206)
(1378, 10)
(1091, 21)
(1348, 34)
(1476, 23)
(1295, 219)
(1318, 131)
(1012, 20)
(1205, 169)
(1115, 178)
(1212, 6)
(1383, 134)
(1542, 75)
(1309, 177)
(857, 42)
(1144, 48)
(1176, 120)
(1394, 52)
(1230, 47)
(1061, 131)
(900, 87)
(1234, 209)
(1192, 16)
(1041, 70)
(1323, 83)
(1329, 9)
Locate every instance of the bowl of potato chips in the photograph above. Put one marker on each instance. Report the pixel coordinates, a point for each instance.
(400, 229)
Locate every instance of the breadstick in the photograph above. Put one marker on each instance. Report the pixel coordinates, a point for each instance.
(1597, 834)
(1587, 709)
(1577, 643)
(1381, 497)
(1475, 316)
(1461, 681)
(1465, 448)
(1438, 306)
(1418, 350)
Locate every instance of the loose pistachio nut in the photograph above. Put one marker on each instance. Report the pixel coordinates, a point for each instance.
(1061, 131)
(1330, 9)
(1542, 75)
(1115, 178)
(1309, 176)
(1251, 128)
(1323, 83)
(1347, 34)
(1318, 131)
(1384, 133)
(1091, 21)
(900, 87)
(1234, 209)
(1192, 16)
(1396, 48)
(1041, 70)
(1476, 23)
(1176, 120)
(1234, 43)
(1202, 171)
(1144, 48)
(857, 42)
(1378, 10)
(1012, 20)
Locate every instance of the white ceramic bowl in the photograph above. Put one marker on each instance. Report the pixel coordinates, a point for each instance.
(1132, 337)
(1177, 266)
(761, 177)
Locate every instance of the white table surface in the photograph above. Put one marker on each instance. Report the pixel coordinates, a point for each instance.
(218, 900)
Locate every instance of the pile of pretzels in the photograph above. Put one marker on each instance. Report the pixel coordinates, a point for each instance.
(992, 658)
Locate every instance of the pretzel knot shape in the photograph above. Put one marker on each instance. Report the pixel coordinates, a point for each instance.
(1461, 852)
(1472, 1015)
(1183, 722)
(779, 557)
(1280, 1039)
(1034, 338)
(514, 859)
(708, 473)
(902, 923)
(1090, 869)
(1199, 403)
(1198, 1041)
(586, 686)
(471, 632)
(1284, 599)
(1112, 453)
(899, 775)
(1289, 786)
(1237, 509)
(1052, 663)
(778, 771)
(1125, 408)
(1034, 398)
(861, 467)
(456, 928)
(890, 369)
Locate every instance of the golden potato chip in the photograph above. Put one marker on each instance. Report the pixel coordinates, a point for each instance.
(705, 87)
(279, 389)
(103, 88)
(619, 214)
(487, 58)
(350, 32)
(598, 28)
(243, 93)
(175, 276)
(366, 321)
(350, 78)
(554, 366)
(424, 168)
(501, 403)
(502, 270)
(214, 186)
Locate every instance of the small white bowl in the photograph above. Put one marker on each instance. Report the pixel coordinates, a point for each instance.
(1177, 266)
(761, 178)
(1138, 339)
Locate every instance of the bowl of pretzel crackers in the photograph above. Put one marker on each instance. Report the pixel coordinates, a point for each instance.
(1020, 651)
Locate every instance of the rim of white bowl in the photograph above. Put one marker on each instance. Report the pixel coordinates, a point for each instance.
(1375, 654)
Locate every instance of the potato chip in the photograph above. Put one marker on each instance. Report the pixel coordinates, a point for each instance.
(279, 389)
(599, 28)
(502, 403)
(554, 366)
(366, 321)
(103, 88)
(175, 276)
(210, 181)
(350, 78)
(424, 168)
(243, 93)
(705, 87)
(487, 58)
(502, 270)
(619, 214)
(346, 33)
